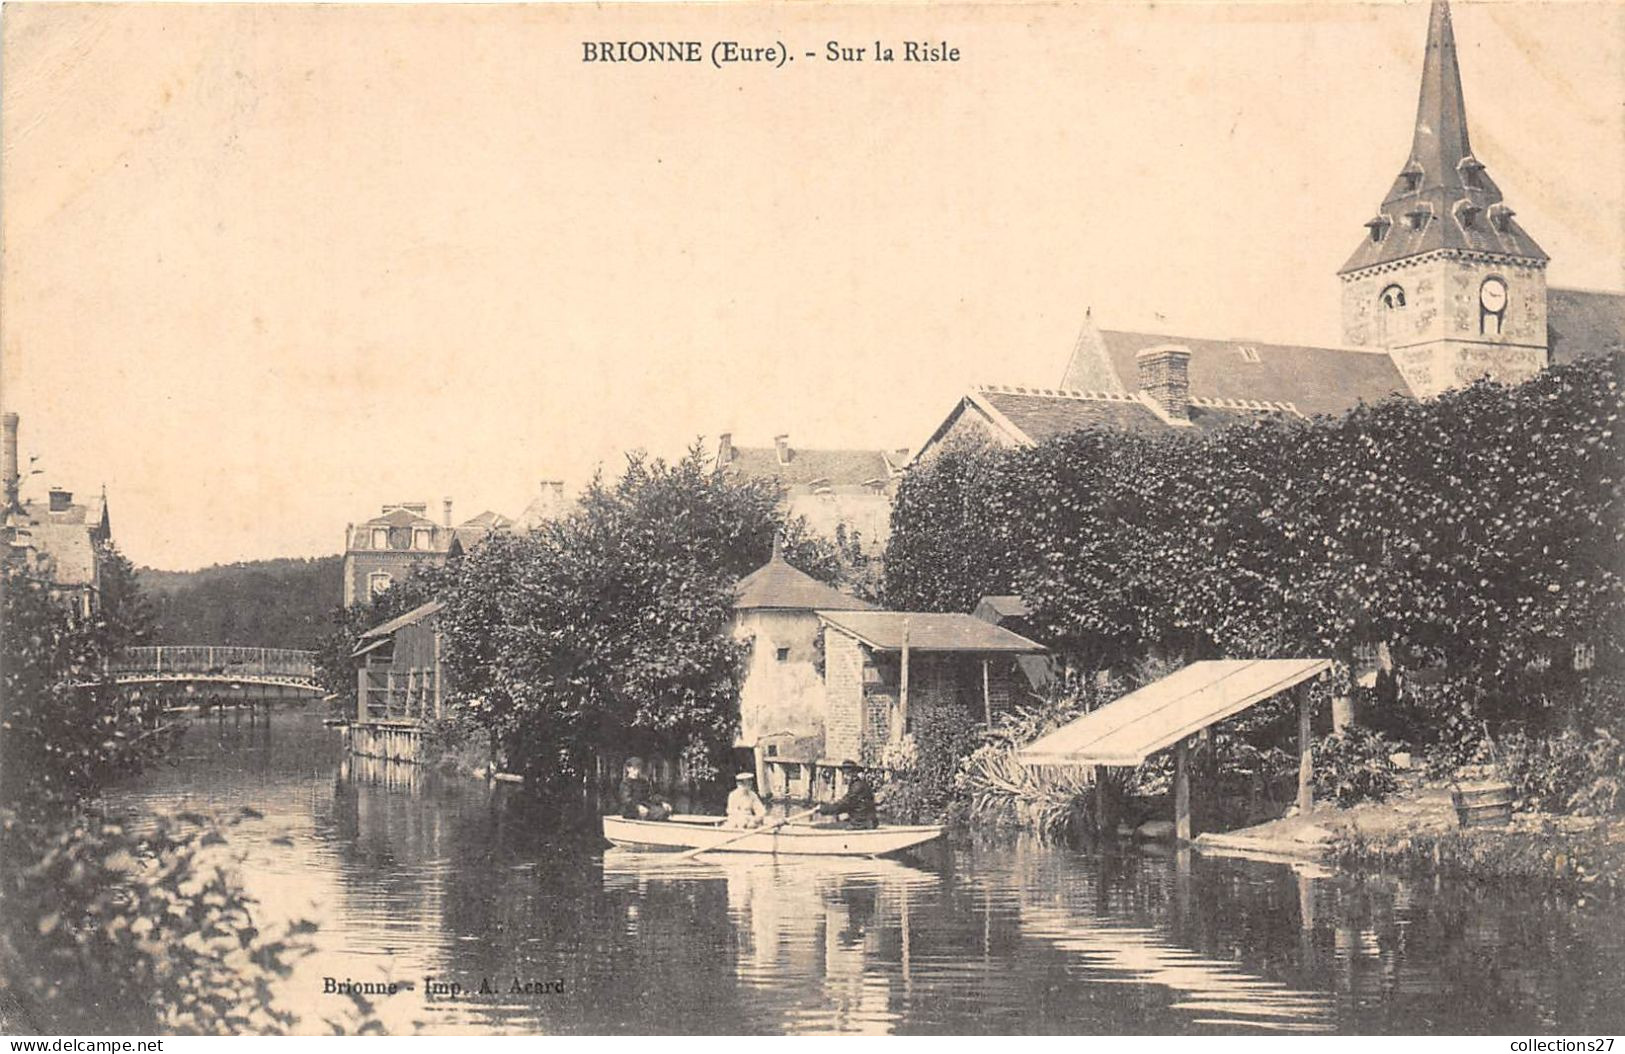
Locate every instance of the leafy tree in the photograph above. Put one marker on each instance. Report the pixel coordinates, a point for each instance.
(260, 603)
(65, 730)
(104, 928)
(608, 629)
(1482, 532)
(955, 544)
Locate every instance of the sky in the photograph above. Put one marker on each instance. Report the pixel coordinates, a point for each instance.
(266, 268)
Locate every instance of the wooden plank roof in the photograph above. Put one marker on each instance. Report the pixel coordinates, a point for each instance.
(928, 631)
(417, 614)
(1131, 729)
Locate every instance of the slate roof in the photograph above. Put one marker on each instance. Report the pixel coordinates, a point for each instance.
(778, 585)
(417, 614)
(1313, 380)
(399, 518)
(1039, 414)
(1003, 607)
(838, 468)
(473, 531)
(1581, 324)
(928, 631)
(1442, 188)
(89, 513)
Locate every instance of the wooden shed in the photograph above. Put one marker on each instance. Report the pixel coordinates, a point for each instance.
(399, 684)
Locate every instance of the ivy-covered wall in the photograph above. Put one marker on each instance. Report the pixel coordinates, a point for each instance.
(1482, 530)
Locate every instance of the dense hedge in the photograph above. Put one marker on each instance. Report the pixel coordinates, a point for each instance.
(1481, 530)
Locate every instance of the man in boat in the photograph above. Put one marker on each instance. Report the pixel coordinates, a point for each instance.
(857, 805)
(745, 808)
(638, 799)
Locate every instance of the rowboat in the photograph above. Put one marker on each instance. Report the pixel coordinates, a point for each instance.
(796, 839)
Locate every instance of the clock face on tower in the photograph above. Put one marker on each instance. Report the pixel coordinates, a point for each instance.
(1493, 295)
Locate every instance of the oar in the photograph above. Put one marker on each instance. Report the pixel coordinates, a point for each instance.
(746, 833)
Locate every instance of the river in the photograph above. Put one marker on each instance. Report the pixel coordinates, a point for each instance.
(413, 876)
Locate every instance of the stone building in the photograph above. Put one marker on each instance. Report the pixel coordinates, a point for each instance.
(57, 540)
(383, 550)
(830, 488)
(1444, 288)
(781, 699)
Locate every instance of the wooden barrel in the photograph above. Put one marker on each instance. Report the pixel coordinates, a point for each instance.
(1486, 804)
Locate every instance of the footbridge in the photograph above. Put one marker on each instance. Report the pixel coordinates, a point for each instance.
(217, 667)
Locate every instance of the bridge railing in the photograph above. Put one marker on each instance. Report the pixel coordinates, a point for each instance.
(224, 660)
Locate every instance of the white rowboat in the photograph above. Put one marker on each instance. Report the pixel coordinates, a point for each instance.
(696, 832)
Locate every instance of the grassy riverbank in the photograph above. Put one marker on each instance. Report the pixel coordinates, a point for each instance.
(1416, 831)
(1575, 856)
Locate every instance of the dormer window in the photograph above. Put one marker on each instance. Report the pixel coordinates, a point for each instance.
(1378, 226)
(1412, 177)
(1471, 173)
(1467, 213)
(1501, 217)
(380, 537)
(422, 538)
(1416, 219)
(1392, 298)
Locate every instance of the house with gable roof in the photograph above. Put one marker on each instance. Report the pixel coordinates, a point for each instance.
(58, 540)
(830, 488)
(383, 550)
(1444, 288)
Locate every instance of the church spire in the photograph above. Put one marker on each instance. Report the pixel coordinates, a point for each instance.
(1443, 198)
(1441, 145)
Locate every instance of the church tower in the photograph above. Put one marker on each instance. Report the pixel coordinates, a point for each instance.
(1445, 279)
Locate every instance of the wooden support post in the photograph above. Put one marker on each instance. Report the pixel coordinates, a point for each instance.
(1182, 790)
(761, 770)
(361, 691)
(902, 692)
(437, 674)
(1306, 757)
(1103, 812)
(987, 696)
(389, 693)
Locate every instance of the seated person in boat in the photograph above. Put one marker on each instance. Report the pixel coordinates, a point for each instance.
(745, 808)
(857, 805)
(638, 798)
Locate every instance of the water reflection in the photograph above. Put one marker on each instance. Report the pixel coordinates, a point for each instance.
(825, 929)
(416, 876)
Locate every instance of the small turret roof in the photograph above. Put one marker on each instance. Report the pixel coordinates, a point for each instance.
(778, 585)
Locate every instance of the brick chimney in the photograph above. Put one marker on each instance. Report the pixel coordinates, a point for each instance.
(60, 499)
(8, 459)
(725, 449)
(1165, 378)
(782, 445)
(445, 509)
